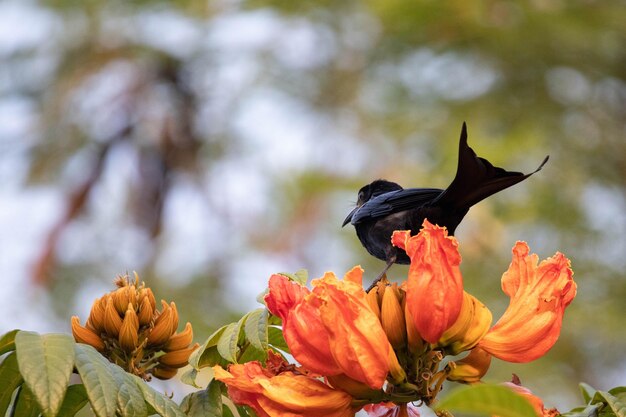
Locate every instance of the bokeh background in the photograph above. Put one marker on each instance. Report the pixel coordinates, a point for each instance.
(206, 145)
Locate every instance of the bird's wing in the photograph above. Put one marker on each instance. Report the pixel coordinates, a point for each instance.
(394, 202)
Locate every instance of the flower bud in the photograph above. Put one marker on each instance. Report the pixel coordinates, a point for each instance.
(174, 317)
(414, 340)
(95, 321)
(471, 368)
(147, 292)
(164, 372)
(392, 316)
(128, 336)
(163, 324)
(395, 369)
(112, 320)
(178, 358)
(372, 300)
(353, 387)
(180, 340)
(85, 335)
(470, 327)
(145, 312)
(120, 299)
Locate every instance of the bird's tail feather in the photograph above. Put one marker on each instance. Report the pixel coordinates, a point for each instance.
(476, 178)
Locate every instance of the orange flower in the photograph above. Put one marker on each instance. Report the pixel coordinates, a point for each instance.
(332, 330)
(539, 294)
(434, 284)
(285, 394)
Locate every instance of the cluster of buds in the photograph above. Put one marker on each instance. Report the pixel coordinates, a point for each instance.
(128, 329)
(420, 359)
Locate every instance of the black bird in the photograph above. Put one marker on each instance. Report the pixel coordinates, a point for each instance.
(385, 206)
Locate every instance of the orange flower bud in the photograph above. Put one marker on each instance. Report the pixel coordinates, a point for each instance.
(471, 368)
(178, 358)
(174, 317)
(145, 312)
(96, 316)
(414, 340)
(470, 327)
(84, 335)
(372, 300)
(355, 388)
(392, 316)
(120, 299)
(180, 340)
(112, 320)
(162, 329)
(128, 336)
(164, 372)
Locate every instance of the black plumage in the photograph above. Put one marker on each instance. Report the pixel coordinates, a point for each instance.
(385, 206)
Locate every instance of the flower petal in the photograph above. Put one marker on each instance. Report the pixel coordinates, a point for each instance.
(284, 295)
(434, 285)
(539, 295)
(286, 394)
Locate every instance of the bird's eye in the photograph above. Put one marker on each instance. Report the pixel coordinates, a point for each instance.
(361, 195)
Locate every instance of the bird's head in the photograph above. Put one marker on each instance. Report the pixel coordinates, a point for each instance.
(369, 191)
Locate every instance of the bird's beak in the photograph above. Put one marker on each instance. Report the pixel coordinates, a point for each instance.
(349, 217)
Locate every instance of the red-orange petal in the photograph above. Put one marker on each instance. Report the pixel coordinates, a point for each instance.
(284, 295)
(539, 295)
(286, 394)
(434, 285)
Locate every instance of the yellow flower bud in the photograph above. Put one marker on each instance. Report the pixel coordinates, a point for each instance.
(164, 372)
(470, 327)
(163, 325)
(145, 312)
(112, 320)
(84, 335)
(132, 295)
(147, 292)
(178, 358)
(471, 368)
(180, 340)
(128, 336)
(392, 316)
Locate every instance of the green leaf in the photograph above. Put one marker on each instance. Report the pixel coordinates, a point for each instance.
(189, 377)
(301, 277)
(98, 379)
(46, 363)
(207, 402)
(160, 404)
(276, 339)
(10, 379)
(588, 411)
(256, 328)
(74, 401)
(7, 342)
(250, 353)
(587, 391)
(617, 403)
(26, 403)
(207, 355)
(227, 346)
(486, 399)
(130, 401)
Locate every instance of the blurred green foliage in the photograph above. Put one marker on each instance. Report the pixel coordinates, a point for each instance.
(375, 89)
